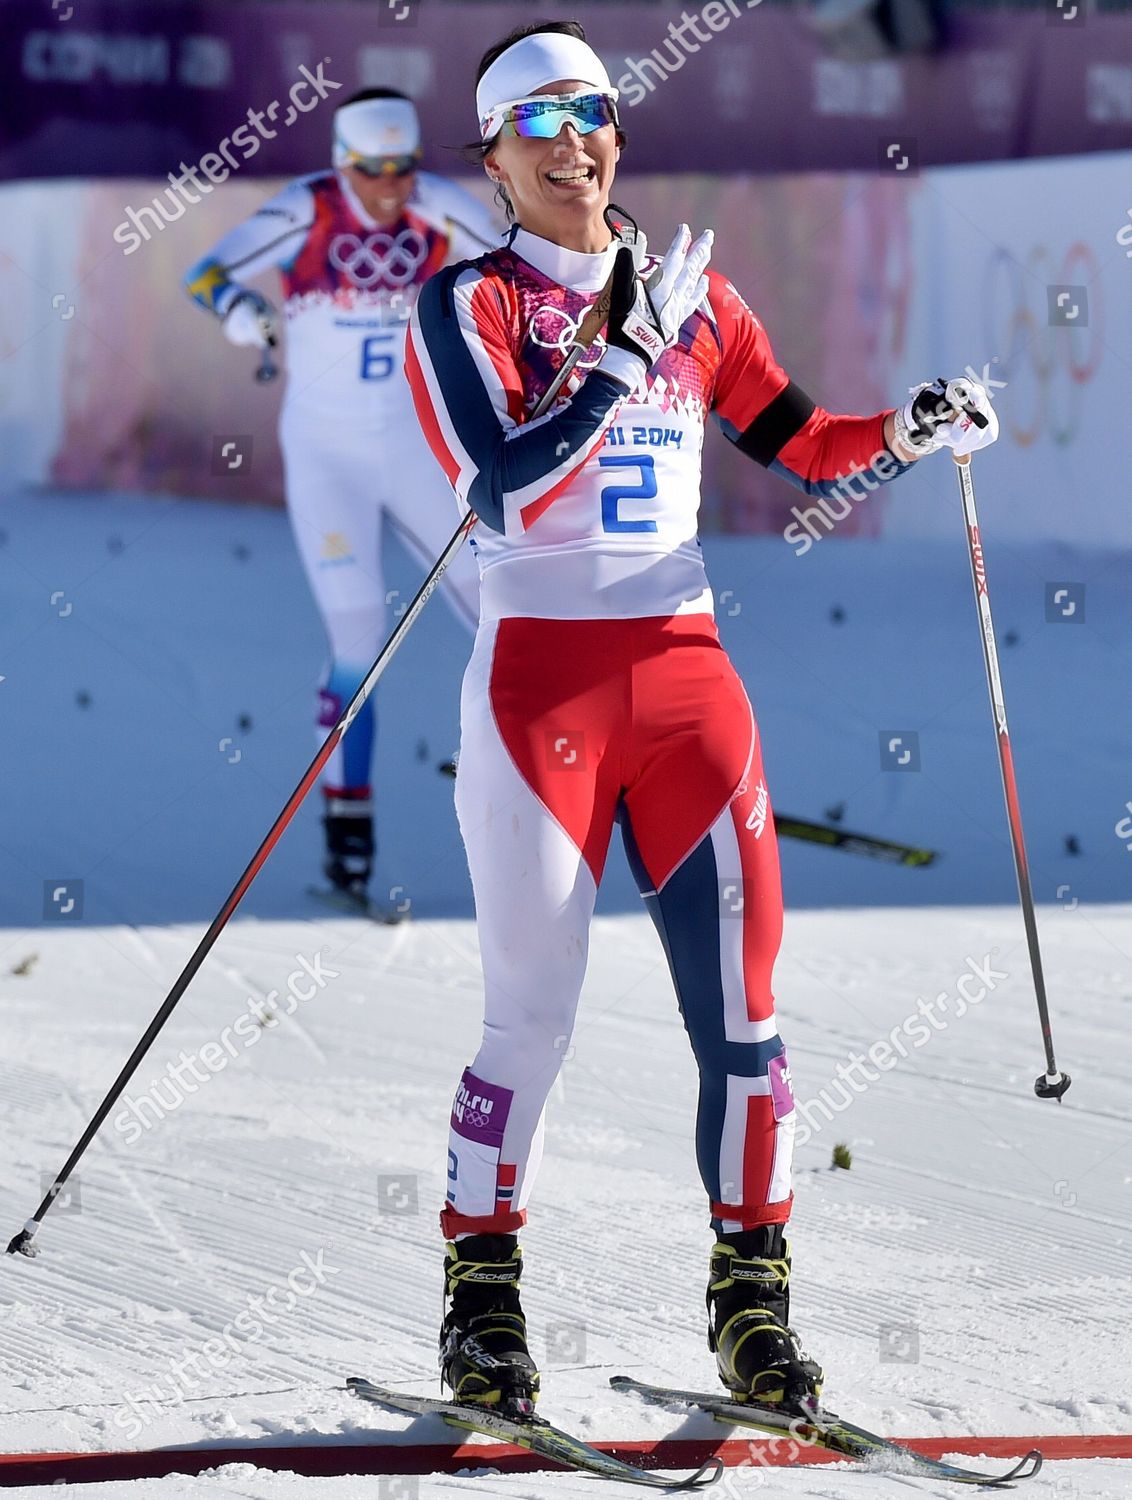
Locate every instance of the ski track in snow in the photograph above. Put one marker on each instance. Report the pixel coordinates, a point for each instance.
(982, 1238)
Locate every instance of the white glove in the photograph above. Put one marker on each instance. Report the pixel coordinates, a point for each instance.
(250, 319)
(682, 285)
(645, 317)
(955, 414)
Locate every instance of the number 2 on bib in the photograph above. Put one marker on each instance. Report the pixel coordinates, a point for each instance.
(613, 494)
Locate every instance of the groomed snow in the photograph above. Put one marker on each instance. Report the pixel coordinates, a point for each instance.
(970, 1273)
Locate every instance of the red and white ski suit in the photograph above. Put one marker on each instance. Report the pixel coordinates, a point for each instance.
(598, 692)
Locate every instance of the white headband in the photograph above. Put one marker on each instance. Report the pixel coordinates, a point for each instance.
(376, 127)
(534, 61)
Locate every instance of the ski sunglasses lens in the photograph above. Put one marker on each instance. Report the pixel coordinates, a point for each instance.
(543, 117)
(383, 166)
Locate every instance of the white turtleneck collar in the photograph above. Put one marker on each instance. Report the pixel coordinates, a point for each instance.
(580, 271)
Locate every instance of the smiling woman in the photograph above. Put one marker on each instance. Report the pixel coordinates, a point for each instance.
(579, 163)
(598, 691)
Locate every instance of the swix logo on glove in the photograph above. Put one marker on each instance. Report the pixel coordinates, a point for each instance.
(649, 338)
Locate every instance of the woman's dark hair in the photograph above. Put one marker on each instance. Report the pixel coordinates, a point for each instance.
(478, 151)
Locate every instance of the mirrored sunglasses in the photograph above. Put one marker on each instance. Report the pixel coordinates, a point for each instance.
(383, 166)
(543, 116)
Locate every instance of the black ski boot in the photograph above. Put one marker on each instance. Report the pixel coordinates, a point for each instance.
(349, 850)
(484, 1357)
(757, 1353)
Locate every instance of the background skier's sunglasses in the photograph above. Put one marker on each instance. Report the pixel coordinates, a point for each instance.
(382, 166)
(544, 115)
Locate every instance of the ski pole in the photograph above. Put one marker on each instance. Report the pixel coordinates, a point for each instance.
(24, 1242)
(1051, 1084)
(267, 369)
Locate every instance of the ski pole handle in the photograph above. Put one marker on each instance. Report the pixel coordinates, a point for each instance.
(595, 320)
(959, 396)
(588, 330)
(624, 227)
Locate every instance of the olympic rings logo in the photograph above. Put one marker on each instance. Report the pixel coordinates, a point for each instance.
(475, 1119)
(1045, 366)
(553, 328)
(379, 257)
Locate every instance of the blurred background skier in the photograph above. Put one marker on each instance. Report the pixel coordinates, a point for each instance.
(353, 245)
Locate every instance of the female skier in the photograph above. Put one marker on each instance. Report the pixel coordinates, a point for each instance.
(598, 691)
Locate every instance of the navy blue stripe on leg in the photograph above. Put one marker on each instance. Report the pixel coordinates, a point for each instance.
(686, 916)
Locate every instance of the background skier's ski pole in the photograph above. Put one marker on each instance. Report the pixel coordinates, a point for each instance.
(1052, 1083)
(24, 1242)
(267, 369)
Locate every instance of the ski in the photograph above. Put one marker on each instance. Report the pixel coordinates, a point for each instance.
(535, 1434)
(852, 843)
(356, 906)
(827, 1431)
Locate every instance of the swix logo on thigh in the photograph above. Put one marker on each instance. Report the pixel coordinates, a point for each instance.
(756, 818)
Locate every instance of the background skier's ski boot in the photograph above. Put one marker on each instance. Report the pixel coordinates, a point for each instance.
(349, 850)
(484, 1357)
(757, 1353)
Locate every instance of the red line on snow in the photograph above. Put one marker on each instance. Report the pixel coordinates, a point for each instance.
(330, 1459)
